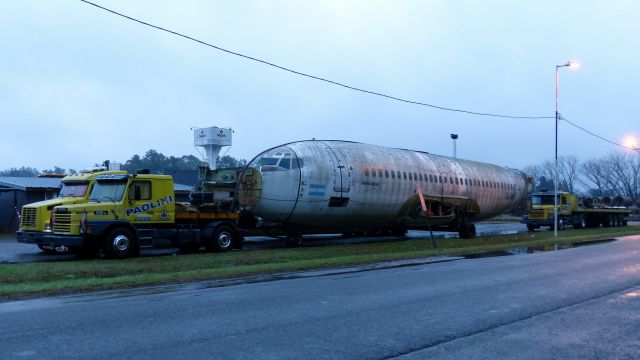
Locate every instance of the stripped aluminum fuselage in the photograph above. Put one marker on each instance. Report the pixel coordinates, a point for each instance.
(329, 184)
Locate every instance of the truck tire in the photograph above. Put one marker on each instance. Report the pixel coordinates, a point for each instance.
(119, 244)
(532, 227)
(223, 239)
(294, 241)
(560, 225)
(581, 223)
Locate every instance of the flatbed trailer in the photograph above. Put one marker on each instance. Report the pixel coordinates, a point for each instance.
(573, 212)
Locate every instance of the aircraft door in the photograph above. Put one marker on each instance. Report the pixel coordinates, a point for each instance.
(444, 171)
(341, 170)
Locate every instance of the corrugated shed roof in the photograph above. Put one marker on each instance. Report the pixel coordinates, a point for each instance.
(181, 187)
(24, 183)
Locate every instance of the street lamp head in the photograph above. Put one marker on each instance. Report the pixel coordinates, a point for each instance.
(454, 136)
(573, 64)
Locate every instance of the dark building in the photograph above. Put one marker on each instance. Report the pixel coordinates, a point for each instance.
(18, 191)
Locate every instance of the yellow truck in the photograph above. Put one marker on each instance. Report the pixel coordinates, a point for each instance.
(126, 212)
(35, 219)
(572, 211)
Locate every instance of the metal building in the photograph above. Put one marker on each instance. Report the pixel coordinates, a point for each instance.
(18, 191)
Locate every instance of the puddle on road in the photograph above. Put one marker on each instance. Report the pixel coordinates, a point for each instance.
(534, 249)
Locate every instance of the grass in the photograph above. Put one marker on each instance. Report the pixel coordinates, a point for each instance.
(36, 279)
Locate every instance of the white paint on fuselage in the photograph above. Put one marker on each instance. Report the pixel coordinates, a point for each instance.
(300, 197)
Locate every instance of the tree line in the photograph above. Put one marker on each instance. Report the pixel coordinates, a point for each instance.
(616, 174)
(155, 161)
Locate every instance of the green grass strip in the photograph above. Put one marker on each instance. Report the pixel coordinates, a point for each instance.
(36, 279)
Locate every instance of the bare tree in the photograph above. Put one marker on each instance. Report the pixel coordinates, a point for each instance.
(569, 176)
(614, 174)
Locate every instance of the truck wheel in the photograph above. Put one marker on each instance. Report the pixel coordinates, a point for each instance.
(581, 223)
(532, 227)
(223, 239)
(119, 244)
(560, 224)
(294, 241)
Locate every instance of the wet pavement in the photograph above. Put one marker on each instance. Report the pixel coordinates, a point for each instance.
(580, 303)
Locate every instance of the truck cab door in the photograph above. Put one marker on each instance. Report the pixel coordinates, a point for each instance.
(140, 207)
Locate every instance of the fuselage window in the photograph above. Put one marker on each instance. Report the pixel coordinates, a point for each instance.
(415, 176)
(457, 181)
(393, 174)
(373, 172)
(451, 180)
(386, 173)
(410, 178)
(420, 175)
(431, 177)
(399, 177)
(404, 175)
(380, 172)
(366, 171)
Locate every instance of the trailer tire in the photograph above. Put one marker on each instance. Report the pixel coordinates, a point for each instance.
(119, 244)
(223, 239)
(581, 223)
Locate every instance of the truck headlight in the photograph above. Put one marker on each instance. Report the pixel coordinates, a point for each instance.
(47, 227)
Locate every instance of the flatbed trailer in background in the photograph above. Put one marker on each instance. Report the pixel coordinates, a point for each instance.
(572, 211)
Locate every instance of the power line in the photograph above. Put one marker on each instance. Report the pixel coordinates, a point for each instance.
(592, 133)
(313, 76)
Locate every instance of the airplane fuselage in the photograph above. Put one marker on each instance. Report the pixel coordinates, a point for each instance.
(328, 184)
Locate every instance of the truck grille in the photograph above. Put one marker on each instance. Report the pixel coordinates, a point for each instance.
(62, 223)
(28, 217)
(537, 214)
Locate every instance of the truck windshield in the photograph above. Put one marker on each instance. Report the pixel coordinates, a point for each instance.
(108, 191)
(74, 189)
(542, 199)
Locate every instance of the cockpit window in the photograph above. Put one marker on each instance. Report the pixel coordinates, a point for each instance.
(280, 159)
(268, 161)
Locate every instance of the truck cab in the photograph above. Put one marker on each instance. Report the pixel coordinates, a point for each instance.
(36, 218)
(119, 209)
(126, 212)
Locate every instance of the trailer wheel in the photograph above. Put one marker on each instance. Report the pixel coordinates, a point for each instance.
(581, 223)
(119, 244)
(467, 231)
(223, 239)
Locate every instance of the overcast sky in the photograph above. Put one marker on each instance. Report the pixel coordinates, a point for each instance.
(79, 85)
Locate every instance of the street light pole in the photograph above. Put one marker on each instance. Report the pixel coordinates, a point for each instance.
(569, 64)
(454, 137)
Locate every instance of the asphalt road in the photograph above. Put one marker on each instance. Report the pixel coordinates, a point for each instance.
(579, 303)
(12, 251)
